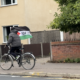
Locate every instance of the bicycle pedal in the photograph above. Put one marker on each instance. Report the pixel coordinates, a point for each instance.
(17, 57)
(17, 61)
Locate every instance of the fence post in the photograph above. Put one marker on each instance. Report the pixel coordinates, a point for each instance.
(0, 51)
(41, 50)
(51, 57)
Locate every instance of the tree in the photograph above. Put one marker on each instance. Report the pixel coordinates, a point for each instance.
(69, 18)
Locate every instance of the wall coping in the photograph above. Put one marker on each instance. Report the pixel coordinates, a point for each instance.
(65, 43)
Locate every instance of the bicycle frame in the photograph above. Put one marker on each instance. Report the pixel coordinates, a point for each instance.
(21, 61)
(12, 57)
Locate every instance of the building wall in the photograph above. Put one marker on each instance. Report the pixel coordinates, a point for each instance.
(36, 14)
(39, 13)
(12, 15)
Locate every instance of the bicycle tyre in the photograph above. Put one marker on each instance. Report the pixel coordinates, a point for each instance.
(28, 61)
(6, 62)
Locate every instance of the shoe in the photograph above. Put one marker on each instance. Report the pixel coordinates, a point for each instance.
(19, 65)
(17, 57)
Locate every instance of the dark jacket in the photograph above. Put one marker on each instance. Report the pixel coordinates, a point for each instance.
(14, 39)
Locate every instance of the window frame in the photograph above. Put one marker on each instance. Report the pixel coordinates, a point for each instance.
(3, 31)
(3, 5)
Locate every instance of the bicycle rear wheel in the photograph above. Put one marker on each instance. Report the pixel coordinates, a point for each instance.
(28, 61)
(6, 62)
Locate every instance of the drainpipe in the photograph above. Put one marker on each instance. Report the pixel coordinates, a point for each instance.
(29, 41)
(61, 36)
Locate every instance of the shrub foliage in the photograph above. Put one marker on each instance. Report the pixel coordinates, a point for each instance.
(69, 18)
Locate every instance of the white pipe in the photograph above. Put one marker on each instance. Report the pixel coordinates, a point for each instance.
(61, 36)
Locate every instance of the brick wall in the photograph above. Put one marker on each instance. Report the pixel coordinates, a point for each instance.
(66, 49)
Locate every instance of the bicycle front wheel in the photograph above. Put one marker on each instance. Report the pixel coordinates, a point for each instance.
(6, 62)
(28, 61)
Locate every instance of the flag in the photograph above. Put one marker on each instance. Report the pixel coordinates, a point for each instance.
(23, 32)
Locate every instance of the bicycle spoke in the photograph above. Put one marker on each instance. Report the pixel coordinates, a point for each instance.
(28, 61)
(5, 62)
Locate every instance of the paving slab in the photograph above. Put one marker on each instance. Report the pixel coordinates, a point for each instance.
(43, 68)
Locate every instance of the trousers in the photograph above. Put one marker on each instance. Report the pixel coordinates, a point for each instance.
(15, 51)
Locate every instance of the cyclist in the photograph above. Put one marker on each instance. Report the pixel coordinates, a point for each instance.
(15, 42)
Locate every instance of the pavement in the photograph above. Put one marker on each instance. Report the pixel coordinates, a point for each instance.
(46, 69)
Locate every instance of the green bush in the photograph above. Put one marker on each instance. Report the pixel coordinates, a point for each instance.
(77, 60)
(72, 60)
(68, 60)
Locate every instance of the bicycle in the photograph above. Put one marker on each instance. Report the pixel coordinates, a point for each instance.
(26, 60)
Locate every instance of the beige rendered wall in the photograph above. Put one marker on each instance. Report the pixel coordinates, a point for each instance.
(12, 15)
(36, 14)
(39, 13)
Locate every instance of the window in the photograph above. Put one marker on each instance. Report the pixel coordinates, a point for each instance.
(8, 2)
(6, 31)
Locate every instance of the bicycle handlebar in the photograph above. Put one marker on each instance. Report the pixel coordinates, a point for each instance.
(8, 46)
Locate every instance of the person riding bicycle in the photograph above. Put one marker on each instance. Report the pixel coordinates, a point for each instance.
(15, 42)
